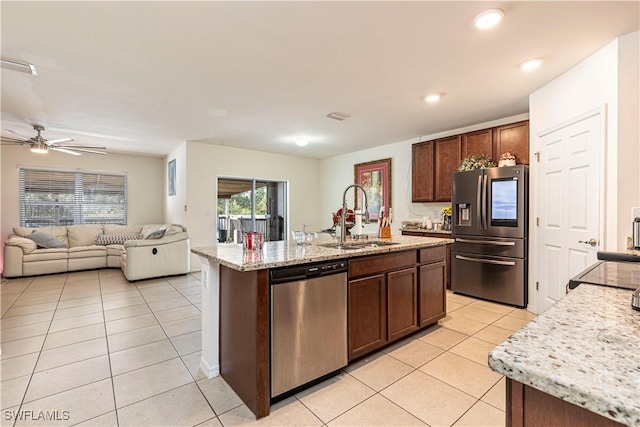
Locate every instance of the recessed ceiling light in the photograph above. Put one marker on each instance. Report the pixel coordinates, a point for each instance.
(301, 142)
(434, 97)
(531, 64)
(488, 18)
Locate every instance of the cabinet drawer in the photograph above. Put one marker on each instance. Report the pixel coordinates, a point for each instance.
(381, 263)
(435, 254)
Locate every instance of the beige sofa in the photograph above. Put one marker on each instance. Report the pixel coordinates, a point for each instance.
(141, 251)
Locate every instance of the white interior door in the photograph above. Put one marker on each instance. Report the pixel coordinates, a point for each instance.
(568, 205)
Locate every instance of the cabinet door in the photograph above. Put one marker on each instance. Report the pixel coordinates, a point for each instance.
(514, 138)
(422, 172)
(476, 143)
(432, 293)
(447, 161)
(367, 320)
(402, 300)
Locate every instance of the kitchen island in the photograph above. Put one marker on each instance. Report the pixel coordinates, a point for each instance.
(396, 287)
(578, 363)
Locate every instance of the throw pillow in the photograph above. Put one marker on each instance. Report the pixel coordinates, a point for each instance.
(155, 234)
(44, 240)
(115, 239)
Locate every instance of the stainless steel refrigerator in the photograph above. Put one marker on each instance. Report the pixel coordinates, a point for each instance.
(490, 229)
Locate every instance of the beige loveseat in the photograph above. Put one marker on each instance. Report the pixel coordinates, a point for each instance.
(141, 251)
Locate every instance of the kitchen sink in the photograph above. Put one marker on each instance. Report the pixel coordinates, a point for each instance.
(358, 245)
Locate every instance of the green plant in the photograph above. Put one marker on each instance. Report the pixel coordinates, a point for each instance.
(481, 161)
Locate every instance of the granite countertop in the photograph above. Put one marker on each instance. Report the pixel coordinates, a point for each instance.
(585, 349)
(286, 252)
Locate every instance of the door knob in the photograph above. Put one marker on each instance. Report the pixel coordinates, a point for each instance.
(592, 241)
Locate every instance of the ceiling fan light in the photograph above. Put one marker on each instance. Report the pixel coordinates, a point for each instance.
(39, 150)
(488, 18)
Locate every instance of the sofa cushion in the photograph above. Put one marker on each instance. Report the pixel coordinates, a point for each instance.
(46, 255)
(115, 239)
(88, 251)
(122, 229)
(59, 233)
(27, 245)
(174, 229)
(44, 240)
(115, 250)
(83, 235)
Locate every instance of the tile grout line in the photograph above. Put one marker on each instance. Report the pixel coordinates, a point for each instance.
(113, 386)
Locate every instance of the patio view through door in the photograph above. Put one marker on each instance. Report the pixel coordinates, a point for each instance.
(246, 204)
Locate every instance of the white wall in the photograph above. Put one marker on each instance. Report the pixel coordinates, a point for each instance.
(608, 78)
(337, 174)
(145, 180)
(628, 132)
(174, 212)
(206, 162)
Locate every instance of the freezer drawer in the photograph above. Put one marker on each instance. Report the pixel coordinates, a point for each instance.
(499, 279)
(492, 246)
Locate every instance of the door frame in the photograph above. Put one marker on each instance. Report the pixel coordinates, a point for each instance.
(534, 193)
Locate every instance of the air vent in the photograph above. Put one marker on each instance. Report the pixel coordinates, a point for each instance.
(338, 116)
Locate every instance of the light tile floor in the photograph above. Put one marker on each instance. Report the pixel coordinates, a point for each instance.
(104, 352)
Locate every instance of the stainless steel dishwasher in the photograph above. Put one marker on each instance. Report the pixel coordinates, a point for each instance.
(308, 323)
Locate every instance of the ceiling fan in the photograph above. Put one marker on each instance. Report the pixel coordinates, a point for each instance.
(38, 144)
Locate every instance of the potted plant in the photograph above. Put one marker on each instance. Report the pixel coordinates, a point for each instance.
(481, 161)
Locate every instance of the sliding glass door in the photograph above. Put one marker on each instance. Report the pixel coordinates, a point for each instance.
(251, 205)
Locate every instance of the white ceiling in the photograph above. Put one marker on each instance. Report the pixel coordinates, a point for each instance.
(143, 77)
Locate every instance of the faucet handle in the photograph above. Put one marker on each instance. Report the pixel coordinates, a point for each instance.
(367, 218)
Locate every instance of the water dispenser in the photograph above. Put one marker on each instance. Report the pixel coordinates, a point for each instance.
(464, 214)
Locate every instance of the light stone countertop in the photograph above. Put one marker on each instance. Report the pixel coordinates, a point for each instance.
(287, 252)
(584, 349)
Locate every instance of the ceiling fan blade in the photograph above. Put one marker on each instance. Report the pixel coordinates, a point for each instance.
(58, 141)
(62, 150)
(95, 147)
(80, 149)
(14, 140)
(17, 134)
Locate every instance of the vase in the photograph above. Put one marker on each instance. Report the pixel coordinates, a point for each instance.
(446, 222)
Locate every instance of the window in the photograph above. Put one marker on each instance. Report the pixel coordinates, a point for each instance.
(57, 197)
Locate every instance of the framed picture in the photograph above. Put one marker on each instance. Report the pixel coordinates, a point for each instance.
(171, 174)
(375, 178)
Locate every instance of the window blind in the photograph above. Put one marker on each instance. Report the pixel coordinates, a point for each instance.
(53, 197)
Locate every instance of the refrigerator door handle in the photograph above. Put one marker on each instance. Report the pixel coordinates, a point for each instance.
(485, 217)
(486, 242)
(479, 203)
(485, 261)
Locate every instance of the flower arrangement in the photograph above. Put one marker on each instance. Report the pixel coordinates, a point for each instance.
(349, 217)
(481, 161)
(446, 218)
(446, 211)
(507, 159)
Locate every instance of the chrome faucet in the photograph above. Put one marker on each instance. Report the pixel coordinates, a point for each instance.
(343, 228)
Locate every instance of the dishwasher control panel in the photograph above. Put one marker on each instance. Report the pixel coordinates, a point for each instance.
(305, 271)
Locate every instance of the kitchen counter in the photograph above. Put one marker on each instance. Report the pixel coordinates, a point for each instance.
(426, 231)
(283, 253)
(584, 350)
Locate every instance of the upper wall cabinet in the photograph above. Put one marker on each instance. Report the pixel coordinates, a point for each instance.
(513, 138)
(422, 172)
(434, 161)
(447, 161)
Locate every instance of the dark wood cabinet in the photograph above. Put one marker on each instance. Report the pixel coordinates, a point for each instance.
(475, 143)
(402, 303)
(447, 250)
(367, 314)
(432, 294)
(432, 162)
(527, 406)
(447, 161)
(513, 138)
(422, 167)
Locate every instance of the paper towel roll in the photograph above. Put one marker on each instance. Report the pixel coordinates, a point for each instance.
(358, 227)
